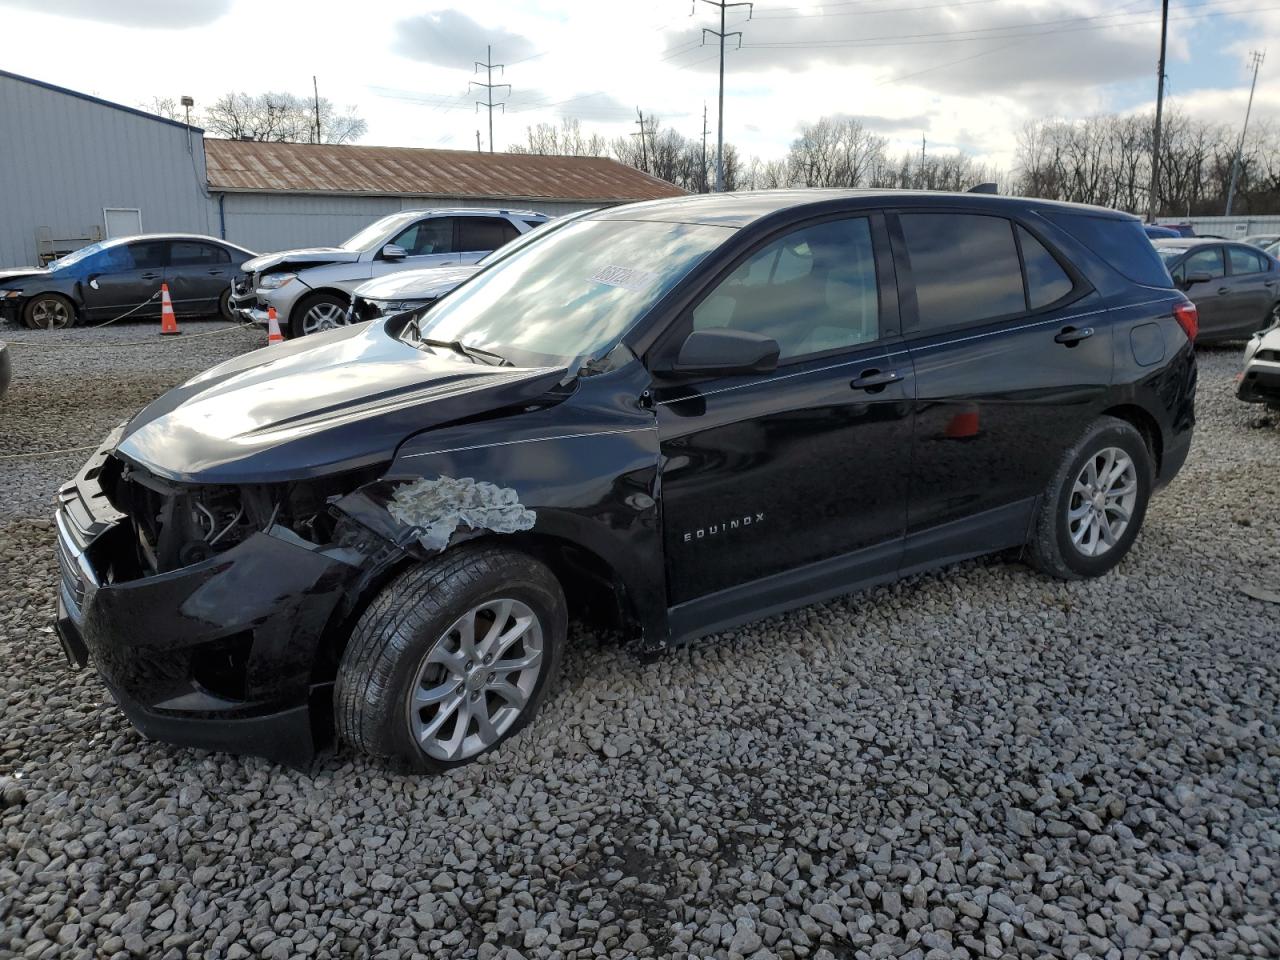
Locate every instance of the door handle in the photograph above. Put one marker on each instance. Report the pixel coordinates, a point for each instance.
(1070, 336)
(874, 380)
(215, 273)
(150, 276)
(1222, 290)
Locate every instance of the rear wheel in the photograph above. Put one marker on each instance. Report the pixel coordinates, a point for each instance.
(452, 658)
(49, 311)
(1094, 505)
(320, 311)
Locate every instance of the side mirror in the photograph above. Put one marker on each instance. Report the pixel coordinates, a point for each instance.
(723, 351)
(393, 251)
(1194, 278)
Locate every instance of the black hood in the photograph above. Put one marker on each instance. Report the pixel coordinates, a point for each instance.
(21, 273)
(319, 405)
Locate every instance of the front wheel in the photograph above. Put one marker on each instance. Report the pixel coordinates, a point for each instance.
(224, 305)
(1094, 505)
(49, 311)
(451, 658)
(321, 311)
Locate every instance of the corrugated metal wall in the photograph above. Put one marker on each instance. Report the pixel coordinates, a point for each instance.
(266, 222)
(63, 158)
(1233, 228)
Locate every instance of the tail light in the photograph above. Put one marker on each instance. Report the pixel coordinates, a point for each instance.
(1188, 318)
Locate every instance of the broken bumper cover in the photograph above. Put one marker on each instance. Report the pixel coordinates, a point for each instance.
(220, 654)
(1260, 381)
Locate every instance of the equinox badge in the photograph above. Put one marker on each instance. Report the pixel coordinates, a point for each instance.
(714, 529)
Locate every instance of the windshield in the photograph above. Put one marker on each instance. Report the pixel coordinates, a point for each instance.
(376, 231)
(1170, 254)
(75, 257)
(574, 292)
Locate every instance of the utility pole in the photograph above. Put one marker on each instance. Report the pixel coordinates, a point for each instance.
(720, 120)
(705, 131)
(489, 88)
(1152, 198)
(644, 145)
(477, 141)
(1257, 59)
(316, 90)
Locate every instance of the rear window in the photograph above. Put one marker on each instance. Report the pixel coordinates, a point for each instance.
(1121, 243)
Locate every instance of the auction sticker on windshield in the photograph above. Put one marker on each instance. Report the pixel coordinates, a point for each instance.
(625, 277)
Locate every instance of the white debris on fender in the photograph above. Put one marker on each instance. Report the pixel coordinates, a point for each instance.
(439, 507)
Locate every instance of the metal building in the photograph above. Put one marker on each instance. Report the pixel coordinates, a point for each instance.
(277, 196)
(74, 169)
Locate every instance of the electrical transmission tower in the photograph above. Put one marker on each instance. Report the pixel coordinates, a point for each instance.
(1256, 58)
(489, 87)
(723, 6)
(705, 131)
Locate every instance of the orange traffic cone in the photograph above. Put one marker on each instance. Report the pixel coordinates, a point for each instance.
(273, 327)
(168, 322)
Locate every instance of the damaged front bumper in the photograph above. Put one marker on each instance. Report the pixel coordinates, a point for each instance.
(220, 654)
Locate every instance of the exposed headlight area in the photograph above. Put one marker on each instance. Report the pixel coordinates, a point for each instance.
(274, 281)
(10, 294)
(176, 525)
(365, 309)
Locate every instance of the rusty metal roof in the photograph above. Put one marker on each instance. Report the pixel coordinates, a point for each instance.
(236, 165)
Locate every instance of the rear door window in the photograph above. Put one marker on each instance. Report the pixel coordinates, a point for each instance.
(484, 233)
(965, 268)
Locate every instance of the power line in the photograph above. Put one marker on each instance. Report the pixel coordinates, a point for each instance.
(872, 13)
(950, 36)
(489, 88)
(722, 34)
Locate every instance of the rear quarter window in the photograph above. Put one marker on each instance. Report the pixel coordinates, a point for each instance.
(1122, 243)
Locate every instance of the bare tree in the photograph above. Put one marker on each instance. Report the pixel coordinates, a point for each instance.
(281, 117)
(566, 140)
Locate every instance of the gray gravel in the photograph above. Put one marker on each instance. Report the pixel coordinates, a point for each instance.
(974, 763)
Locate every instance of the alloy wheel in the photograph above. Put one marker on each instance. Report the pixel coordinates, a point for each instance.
(1102, 501)
(50, 314)
(475, 681)
(324, 316)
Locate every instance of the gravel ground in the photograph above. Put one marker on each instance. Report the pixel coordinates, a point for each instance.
(974, 763)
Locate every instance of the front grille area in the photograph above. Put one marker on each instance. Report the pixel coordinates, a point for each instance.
(1270, 356)
(73, 585)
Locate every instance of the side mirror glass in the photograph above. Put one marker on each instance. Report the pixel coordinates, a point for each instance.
(720, 350)
(393, 251)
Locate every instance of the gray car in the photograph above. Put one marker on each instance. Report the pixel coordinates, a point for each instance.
(122, 276)
(1235, 286)
(311, 289)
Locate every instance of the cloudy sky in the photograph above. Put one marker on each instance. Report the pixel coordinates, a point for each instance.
(967, 74)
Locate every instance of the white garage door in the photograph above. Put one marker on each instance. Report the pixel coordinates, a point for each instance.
(122, 221)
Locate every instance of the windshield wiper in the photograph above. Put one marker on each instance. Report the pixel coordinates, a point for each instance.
(473, 353)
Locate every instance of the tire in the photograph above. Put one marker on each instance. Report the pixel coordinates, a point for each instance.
(224, 305)
(49, 311)
(316, 313)
(409, 641)
(1053, 548)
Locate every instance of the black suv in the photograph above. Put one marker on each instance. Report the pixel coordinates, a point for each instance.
(686, 414)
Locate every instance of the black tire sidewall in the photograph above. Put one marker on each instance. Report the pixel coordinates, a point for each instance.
(300, 311)
(30, 307)
(518, 578)
(1131, 442)
(224, 306)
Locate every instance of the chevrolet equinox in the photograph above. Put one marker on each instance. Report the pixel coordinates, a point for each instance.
(682, 414)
